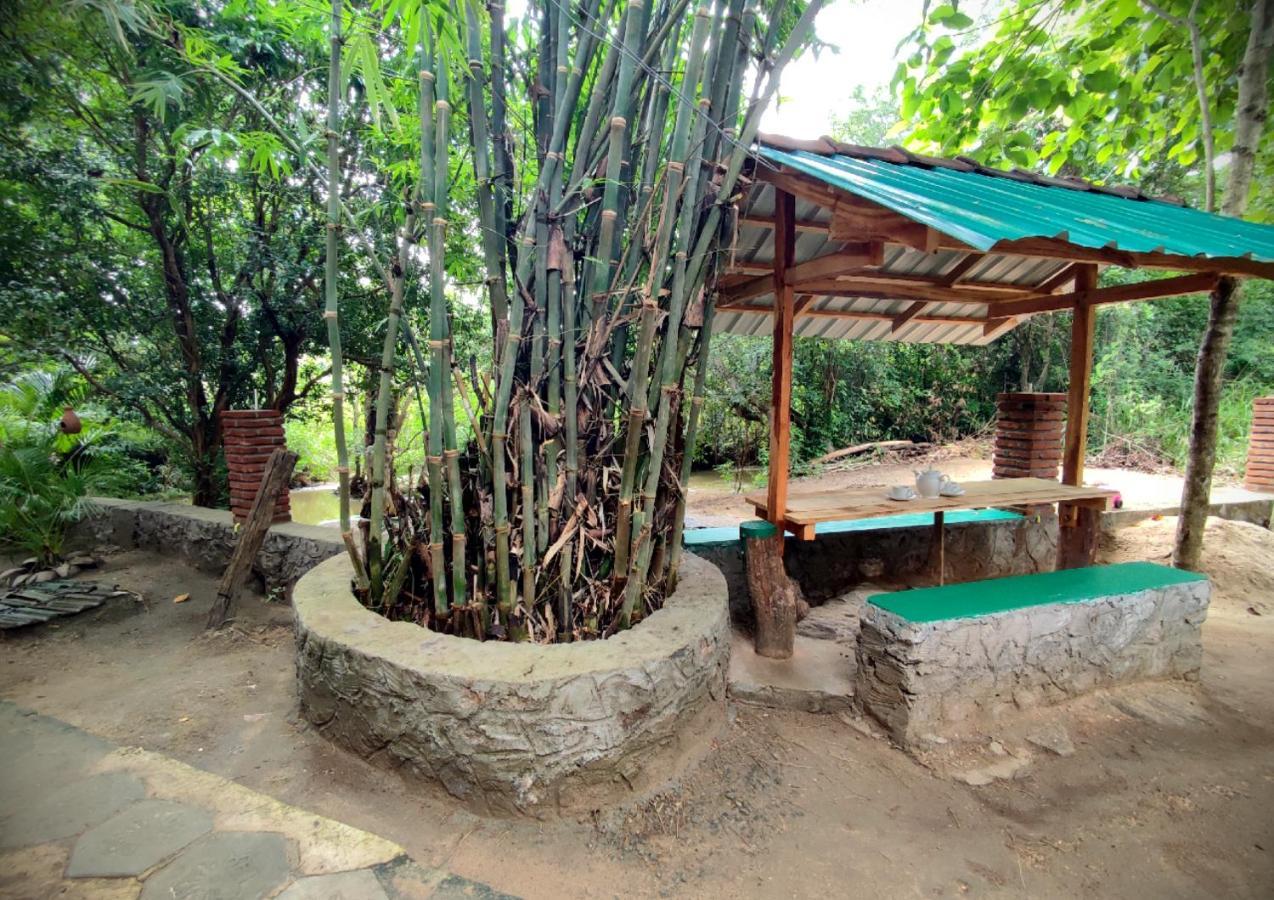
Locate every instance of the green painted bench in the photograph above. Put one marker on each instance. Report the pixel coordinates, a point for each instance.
(997, 595)
(943, 659)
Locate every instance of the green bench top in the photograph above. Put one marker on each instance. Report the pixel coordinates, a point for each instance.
(729, 534)
(997, 595)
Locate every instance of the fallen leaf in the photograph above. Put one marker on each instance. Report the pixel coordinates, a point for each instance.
(181, 598)
(184, 719)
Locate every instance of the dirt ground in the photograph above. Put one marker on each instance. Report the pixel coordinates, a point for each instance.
(1169, 792)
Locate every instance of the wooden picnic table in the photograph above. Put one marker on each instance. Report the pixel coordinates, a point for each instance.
(809, 505)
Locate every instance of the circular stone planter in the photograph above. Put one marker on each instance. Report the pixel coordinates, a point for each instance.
(516, 727)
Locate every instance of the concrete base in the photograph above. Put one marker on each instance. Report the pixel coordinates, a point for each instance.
(818, 678)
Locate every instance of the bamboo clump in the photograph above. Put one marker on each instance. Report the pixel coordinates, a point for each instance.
(602, 224)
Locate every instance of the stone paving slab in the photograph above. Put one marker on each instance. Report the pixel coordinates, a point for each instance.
(84, 818)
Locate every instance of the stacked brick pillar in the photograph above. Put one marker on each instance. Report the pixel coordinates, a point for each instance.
(250, 436)
(1029, 433)
(1260, 449)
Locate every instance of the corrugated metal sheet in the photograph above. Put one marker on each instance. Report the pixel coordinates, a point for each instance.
(982, 210)
(754, 247)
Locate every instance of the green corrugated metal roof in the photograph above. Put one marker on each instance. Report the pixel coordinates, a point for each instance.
(982, 210)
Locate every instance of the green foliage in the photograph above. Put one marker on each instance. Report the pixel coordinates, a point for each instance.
(1102, 88)
(46, 476)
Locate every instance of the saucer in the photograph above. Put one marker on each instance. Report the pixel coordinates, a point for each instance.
(901, 492)
(953, 490)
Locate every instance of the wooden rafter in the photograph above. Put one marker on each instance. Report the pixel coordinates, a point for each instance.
(1044, 248)
(851, 258)
(909, 314)
(809, 312)
(1144, 290)
(962, 268)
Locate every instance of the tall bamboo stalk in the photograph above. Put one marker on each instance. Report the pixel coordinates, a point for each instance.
(331, 274)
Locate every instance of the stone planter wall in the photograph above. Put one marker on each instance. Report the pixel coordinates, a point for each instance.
(516, 728)
(953, 675)
(205, 538)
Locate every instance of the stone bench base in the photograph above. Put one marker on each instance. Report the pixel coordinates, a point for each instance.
(924, 677)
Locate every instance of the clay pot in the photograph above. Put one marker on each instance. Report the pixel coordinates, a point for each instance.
(70, 421)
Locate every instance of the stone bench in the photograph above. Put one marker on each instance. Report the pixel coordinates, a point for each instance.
(942, 659)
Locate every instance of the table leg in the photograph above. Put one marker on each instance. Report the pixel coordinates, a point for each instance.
(939, 546)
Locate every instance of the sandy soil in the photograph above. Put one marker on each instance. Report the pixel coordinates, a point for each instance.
(1168, 794)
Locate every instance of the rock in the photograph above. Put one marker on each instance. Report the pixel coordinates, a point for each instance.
(30, 562)
(933, 739)
(1000, 770)
(998, 749)
(46, 575)
(84, 562)
(1053, 738)
(64, 570)
(8, 574)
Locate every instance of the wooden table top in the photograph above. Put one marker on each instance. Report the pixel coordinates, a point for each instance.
(808, 505)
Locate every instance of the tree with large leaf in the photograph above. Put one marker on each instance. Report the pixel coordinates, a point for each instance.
(1117, 89)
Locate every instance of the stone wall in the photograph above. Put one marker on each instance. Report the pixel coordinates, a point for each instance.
(205, 538)
(946, 676)
(517, 728)
(832, 564)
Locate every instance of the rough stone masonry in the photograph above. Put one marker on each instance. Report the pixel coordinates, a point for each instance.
(918, 678)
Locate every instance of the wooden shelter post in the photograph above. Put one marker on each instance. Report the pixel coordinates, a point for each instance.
(1077, 538)
(781, 395)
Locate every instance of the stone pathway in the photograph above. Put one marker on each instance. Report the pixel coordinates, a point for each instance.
(83, 818)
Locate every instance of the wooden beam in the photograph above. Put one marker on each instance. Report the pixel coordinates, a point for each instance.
(856, 224)
(802, 311)
(956, 275)
(781, 392)
(996, 327)
(908, 314)
(991, 288)
(801, 224)
(851, 258)
(748, 290)
(1081, 376)
(1122, 293)
(1045, 248)
(868, 285)
(1065, 276)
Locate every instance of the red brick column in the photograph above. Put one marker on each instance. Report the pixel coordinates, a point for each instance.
(1260, 448)
(1029, 431)
(250, 436)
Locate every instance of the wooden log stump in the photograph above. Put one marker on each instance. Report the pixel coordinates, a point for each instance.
(262, 513)
(774, 596)
(1077, 536)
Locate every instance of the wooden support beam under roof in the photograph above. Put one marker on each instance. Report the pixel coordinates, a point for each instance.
(851, 258)
(1013, 291)
(909, 313)
(806, 312)
(1046, 248)
(1121, 293)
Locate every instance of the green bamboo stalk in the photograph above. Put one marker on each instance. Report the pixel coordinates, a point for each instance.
(440, 325)
(528, 506)
(331, 272)
(621, 110)
(688, 450)
(491, 190)
(627, 525)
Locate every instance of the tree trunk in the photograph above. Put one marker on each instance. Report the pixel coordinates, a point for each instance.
(774, 596)
(1208, 377)
(1249, 121)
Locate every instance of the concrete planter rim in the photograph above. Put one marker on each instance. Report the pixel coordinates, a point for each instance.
(324, 603)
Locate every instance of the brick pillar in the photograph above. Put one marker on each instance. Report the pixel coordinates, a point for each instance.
(250, 436)
(1029, 431)
(1260, 447)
